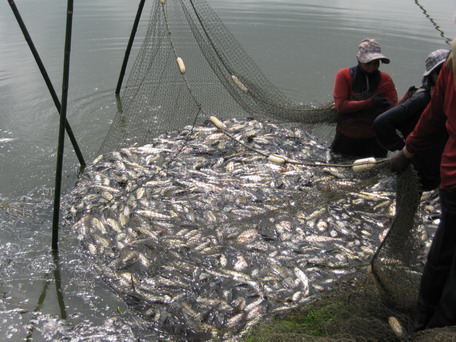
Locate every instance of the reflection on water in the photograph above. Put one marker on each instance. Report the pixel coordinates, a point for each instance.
(48, 297)
(299, 44)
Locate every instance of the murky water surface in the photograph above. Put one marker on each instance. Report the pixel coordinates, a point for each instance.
(298, 44)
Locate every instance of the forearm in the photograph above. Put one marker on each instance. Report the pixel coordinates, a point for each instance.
(430, 125)
(344, 106)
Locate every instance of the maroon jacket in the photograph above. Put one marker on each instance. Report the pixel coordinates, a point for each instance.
(347, 102)
(439, 115)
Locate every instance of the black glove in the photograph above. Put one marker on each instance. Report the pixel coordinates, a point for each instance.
(379, 100)
(412, 90)
(399, 162)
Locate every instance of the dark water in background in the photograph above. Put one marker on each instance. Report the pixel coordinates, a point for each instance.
(299, 44)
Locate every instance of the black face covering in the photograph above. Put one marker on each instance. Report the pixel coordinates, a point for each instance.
(364, 84)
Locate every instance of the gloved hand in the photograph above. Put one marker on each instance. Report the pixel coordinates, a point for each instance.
(412, 90)
(399, 162)
(379, 100)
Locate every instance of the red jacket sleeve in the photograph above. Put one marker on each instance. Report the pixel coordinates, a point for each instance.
(439, 115)
(342, 92)
(388, 88)
(432, 119)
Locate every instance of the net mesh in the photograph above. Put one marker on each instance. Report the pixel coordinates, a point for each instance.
(220, 79)
(398, 255)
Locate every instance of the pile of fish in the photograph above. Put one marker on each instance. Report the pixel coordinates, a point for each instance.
(206, 237)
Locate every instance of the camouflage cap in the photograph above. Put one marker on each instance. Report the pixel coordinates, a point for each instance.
(369, 50)
(434, 59)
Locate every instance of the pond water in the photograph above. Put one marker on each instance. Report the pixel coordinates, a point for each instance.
(299, 45)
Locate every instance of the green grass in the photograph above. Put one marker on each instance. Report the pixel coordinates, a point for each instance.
(314, 321)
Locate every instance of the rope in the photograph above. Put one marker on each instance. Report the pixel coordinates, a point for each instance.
(437, 27)
(220, 127)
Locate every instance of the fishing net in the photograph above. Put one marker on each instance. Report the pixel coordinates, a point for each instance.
(219, 79)
(189, 69)
(203, 235)
(398, 255)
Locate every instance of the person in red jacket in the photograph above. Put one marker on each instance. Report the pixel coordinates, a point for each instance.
(360, 94)
(437, 295)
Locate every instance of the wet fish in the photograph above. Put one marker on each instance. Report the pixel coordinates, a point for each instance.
(206, 232)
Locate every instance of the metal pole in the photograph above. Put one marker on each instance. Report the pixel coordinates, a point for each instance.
(46, 79)
(63, 112)
(130, 44)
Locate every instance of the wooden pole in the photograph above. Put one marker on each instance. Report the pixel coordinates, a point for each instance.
(130, 44)
(46, 79)
(63, 112)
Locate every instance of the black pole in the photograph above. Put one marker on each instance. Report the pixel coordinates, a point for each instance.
(130, 44)
(58, 285)
(63, 112)
(42, 297)
(46, 79)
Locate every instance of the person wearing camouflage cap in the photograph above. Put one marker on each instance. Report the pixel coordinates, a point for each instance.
(437, 295)
(403, 118)
(361, 93)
